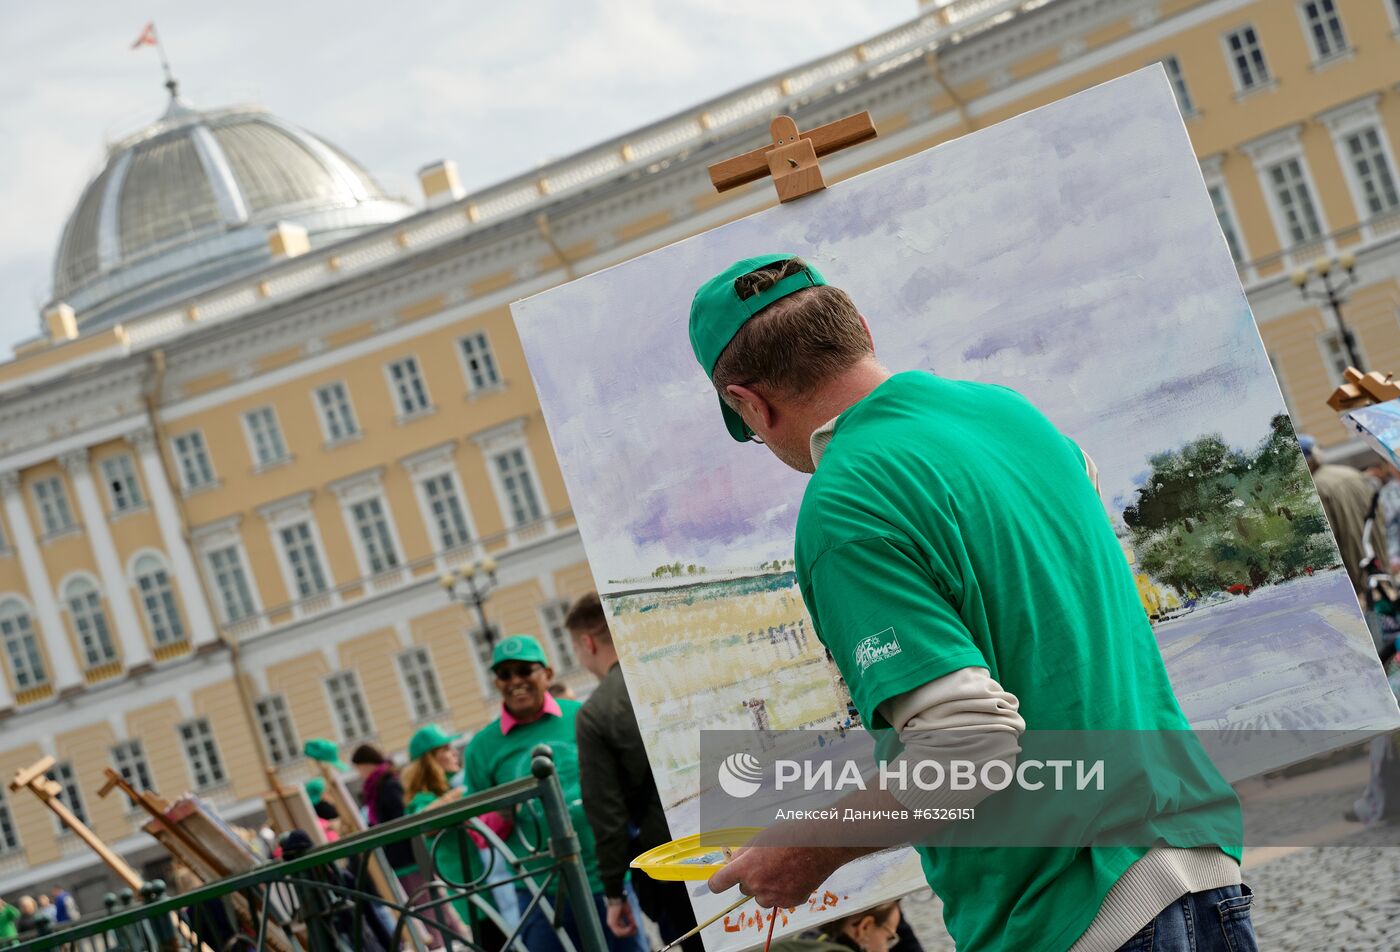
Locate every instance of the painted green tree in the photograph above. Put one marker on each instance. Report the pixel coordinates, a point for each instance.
(1209, 516)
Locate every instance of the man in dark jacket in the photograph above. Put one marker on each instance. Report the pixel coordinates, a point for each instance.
(619, 791)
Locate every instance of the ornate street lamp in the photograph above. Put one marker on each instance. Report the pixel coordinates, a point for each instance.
(1331, 292)
(470, 585)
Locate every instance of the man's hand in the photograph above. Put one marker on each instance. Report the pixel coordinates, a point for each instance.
(780, 875)
(620, 921)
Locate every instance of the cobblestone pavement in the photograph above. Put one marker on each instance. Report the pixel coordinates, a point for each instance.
(1328, 886)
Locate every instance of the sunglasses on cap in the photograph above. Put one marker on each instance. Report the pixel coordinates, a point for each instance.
(509, 671)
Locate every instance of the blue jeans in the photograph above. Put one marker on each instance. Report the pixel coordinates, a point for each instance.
(538, 935)
(1213, 921)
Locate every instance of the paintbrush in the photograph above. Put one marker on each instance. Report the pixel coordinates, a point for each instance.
(710, 921)
(771, 923)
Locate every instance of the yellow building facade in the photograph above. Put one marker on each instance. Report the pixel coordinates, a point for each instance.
(271, 406)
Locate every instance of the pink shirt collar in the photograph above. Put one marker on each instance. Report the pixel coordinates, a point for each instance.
(551, 706)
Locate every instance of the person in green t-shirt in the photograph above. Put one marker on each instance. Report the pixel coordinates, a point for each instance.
(957, 562)
(9, 924)
(502, 751)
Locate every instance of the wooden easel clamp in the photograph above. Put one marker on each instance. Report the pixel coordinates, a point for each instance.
(791, 158)
(1362, 390)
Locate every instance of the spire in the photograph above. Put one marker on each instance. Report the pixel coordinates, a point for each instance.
(149, 37)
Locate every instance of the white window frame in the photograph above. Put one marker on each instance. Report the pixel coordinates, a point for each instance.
(362, 488)
(1324, 344)
(1232, 67)
(1348, 120)
(136, 499)
(401, 414)
(1271, 150)
(421, 657)
(324, 415)
(350, 677)
(132, 753)
(217, 537)
(472, 388)
(481, 653)
(561, 648)
(212, 742)
(267, 413)
(275, 716)
(1214, 176)
(35, 650)
(72, 794)
(134, 578)
(434, 463)
(1318, 56)
(1181, 89)
(503, 439)
(1392, 9)
(10, 840)
(284, 514)
(66, 599)
(184, 462)
(59, 504)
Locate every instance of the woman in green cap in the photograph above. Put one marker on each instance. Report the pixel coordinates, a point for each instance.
(432, 760)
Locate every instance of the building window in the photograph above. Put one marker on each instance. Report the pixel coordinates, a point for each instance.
(1324, 28)
(479, 362)
(406, 382)
(123, 490)
(348, 703)
(1393, 7)
(481, 642)
(552, 614)
(1373, 171)
(304, 559)
(53, 505)
(129, 757)
(206, 766)
(1246, 58)
(276, 724)
(264, 436)
(1335, 357)
(1178, 81)
(21, 646)
(90, 622)
(158, 601)
(231, 581)
(1295, 201)
(421, 683)
(449, 519)
(519, 487)
(1227, 222)
(9, 833)
(192, 456)
(337, 415)
(372, 527)
(63, 775)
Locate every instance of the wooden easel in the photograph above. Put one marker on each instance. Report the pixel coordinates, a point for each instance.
(33, 778)
(1362, 390)
(791, 159)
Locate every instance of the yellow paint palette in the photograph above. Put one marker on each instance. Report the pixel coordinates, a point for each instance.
(694, 857)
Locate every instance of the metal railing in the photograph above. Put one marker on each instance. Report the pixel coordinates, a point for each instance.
(323, 899)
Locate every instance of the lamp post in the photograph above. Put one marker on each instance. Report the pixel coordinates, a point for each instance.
(1331, 292)
(470, 585)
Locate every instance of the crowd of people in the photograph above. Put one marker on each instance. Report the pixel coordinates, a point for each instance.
(28, 914)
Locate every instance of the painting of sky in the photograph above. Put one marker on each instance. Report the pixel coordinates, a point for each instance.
(1072, 254)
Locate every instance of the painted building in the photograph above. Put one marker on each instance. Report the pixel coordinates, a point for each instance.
(270, 405)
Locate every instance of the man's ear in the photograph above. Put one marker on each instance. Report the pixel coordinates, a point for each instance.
(868, 335)
(752, 406)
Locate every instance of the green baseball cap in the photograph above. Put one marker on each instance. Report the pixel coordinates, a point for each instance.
(318, 748)
(717, 312)
(315, 789)
(427, 738)
(518, 648)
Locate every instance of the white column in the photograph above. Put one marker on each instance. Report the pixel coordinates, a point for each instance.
(135, 652)
(66, 676)
(202, 628)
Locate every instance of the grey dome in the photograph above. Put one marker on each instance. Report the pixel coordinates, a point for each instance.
(185, 203)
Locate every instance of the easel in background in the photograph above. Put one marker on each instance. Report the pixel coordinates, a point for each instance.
(34, 779)
(291, 810)
(1362, 390)
(791, 159)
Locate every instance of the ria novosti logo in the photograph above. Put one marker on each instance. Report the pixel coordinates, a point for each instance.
(740, 775)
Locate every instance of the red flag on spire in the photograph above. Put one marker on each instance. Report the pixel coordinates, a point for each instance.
(147, 37)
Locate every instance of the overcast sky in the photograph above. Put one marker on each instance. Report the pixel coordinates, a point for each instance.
(499, 87)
